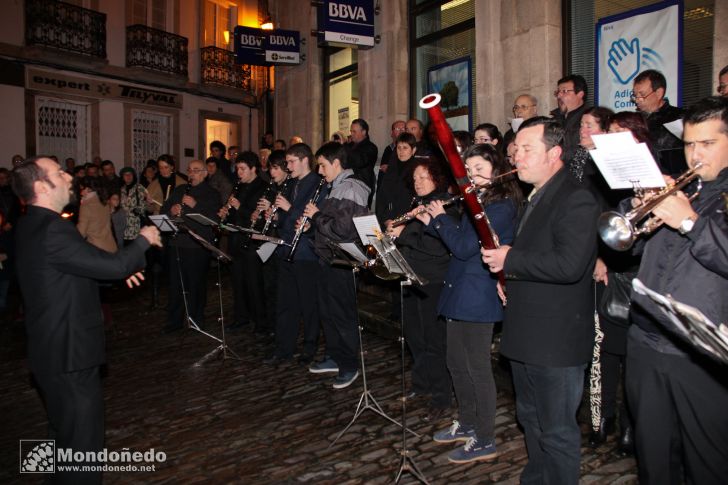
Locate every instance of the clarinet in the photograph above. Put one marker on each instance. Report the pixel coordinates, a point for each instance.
(269, 219)
(182, 204)
(266, 194)
(232, 194)
(304, 220)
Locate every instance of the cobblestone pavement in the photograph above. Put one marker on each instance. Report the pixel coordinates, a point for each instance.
(243, 422)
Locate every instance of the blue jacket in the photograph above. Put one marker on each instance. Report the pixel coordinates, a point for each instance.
(470, 289)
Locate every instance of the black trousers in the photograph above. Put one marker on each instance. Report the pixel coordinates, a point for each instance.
(468, 359)
(75, 406)
(297, 301)
(248, 296)
(677, 404)
(270, 289)
(339, 317)
(193, 265)
(426, 337)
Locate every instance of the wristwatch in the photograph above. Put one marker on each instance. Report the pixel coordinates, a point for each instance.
(686, 225)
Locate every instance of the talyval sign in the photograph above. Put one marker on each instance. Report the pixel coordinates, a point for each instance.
(103, 89)
(261, 47)
(346, 23)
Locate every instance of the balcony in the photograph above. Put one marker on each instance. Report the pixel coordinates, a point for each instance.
(219, 69)
(156, 50)
(66, 27)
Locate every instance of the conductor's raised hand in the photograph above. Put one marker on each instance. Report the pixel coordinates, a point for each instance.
(151, 234)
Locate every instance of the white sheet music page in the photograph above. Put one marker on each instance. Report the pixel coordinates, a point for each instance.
(625, 163)
(353, 250)
(367, 226)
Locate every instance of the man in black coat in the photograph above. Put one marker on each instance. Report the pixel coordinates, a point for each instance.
(677, 396)
(548, 331)
(188, 259)
(649, 97)
(58, 272)
(362, 155)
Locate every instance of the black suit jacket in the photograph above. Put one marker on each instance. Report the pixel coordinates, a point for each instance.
(57, 271)
(550, 313)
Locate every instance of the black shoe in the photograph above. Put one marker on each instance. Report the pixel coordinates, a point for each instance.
(305, 359)
(275, 360)
(235, 326)
(598, 437)
(626, 441)
(435, 415)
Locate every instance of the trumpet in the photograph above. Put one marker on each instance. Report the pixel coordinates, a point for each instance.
(620, 231)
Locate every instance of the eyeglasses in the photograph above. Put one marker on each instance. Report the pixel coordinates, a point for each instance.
(482, 139)
(196, 170)
(520, 107)
(563, 92)
(635, 98)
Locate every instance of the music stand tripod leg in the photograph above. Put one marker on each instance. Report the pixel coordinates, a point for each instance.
(366, 400)
(406, 463)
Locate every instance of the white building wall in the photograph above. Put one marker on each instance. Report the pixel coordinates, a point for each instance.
(12, 124)
(111, 132)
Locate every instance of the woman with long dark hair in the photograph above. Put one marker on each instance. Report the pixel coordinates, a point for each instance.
(133, 202)
(470, 303)
(615, 268)
(424, 331)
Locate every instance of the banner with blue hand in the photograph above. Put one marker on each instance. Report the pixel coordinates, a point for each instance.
(632, 42)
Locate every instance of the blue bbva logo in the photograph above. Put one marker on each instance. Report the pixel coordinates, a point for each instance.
(627, 59)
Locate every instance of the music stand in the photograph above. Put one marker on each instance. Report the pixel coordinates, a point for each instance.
(393, 260)
(344, 257)
(165, 224)
(690, 324)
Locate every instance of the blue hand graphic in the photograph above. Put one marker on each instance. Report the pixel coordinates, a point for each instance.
(624, 59)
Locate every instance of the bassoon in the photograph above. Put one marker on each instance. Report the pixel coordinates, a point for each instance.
(446, 140)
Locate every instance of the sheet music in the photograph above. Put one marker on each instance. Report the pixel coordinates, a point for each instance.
(163, 223)
(201, 219)
(353, 250)
(265, 250)
(367, 226)
(623, 162)
(675, 127)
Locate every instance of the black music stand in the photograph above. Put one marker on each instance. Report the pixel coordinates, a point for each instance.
(393, 260)
(165, 224)
(690, 324)
(366, 400)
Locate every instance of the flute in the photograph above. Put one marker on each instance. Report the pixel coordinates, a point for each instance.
(408, 216)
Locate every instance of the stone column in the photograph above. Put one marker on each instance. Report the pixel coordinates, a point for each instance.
(518, 47)
(720, 41)
(298, 97)
(384, 74)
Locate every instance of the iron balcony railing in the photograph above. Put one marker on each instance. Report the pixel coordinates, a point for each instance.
(156, 49)
(64, 26)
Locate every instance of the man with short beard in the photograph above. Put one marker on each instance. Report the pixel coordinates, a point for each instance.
(58, 272)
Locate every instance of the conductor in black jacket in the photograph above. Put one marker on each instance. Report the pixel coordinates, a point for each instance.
(548, 331)
(58, 272)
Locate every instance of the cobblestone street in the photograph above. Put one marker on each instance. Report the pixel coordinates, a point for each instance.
(243, 422)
